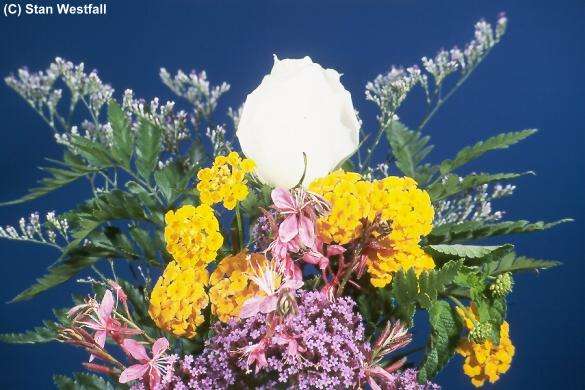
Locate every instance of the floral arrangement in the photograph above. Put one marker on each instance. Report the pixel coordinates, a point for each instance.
(299, 261)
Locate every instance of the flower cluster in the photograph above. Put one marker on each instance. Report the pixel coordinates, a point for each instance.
(322, 346)
(403, 212)
(178, 298)
(225, 181)
(192, 235)
(231, 285)
(484, 361)
(51, 232)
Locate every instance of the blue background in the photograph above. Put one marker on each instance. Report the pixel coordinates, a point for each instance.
(533, 79)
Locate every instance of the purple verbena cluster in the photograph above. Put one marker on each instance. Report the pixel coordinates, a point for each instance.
(330, 350)
(406, 380)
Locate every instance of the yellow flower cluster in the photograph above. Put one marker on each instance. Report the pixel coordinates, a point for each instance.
(485, 361)
(231, 286)
(225, 181)
(178, 298)
(397, 200)
(192, 235)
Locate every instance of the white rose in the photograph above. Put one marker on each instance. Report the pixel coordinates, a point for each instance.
(300, 107)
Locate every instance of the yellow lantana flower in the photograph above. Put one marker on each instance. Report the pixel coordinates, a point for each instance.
(225, 181)
(484, 361)
(406, 209)
(231, 286)
(178, 298)
(192, 235)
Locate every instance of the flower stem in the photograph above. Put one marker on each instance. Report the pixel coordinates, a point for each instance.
(239, 230)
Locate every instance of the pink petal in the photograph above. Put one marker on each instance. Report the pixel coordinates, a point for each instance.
(312, 257)
(134, 372)
(153, 378)
(251, 307)
(306, 231)
(107, 305)
(268, 304)
(333, 250)
(135, 349)
(283, 200)
(292, 284)
(289, 228)
(100, 338)
(159, 346)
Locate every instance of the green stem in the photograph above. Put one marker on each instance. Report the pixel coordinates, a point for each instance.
(239, 229)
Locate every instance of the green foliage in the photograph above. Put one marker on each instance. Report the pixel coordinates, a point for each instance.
(84, 381)
(95, 153)
(451, 184)
(511, 263)
(409, 149)
(445, 331)
(40, 334)
(121, 136)
(469, 153)
(446, 251)
(148, 148)
(171, 181)
(57, 274)
(59, 177)
(473, 230)
(410, 292)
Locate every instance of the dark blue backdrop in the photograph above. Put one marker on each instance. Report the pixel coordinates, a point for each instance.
(533, 79)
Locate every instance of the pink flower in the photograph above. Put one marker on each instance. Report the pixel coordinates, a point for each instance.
(98, 317)
(299, 217)
(152, 367)
(293, 347)
(317, 257)
(256, 353)
(120, 294)
(272, 281)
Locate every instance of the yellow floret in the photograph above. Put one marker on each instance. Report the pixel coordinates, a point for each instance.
(230, 285)
(397, 201)
(178, 298)
(192, 235)
(225, 181)
(485, 361)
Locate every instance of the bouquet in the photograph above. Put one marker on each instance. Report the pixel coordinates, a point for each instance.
(299, 261)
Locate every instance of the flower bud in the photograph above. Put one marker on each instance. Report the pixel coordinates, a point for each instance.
(287, 303)
(502, 286)
(480, 332)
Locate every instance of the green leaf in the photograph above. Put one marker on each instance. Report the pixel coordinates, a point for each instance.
(405, 292)
(60, 177)
(473, 230)
(172, 181)
(122, 136)
(148, 148)
(40, 334)
(465, 251)
(94, 152)
(445, 331)
(453, 184)
(409, 148)
(469, 153)
(59, 273)
(511, 263)
(84, 381)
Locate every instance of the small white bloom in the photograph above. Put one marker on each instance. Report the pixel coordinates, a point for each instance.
(300, 107)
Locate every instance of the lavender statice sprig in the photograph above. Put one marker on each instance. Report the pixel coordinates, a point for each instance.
(53, 232)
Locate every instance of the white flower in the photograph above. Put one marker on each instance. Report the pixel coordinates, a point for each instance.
(300, 107)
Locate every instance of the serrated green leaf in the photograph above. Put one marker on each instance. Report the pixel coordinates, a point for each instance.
(465, 251)
(473, 230)
(405, 293)
(469, 153)
(172, 181)
(445, 331)
(56, 275)
(60, 177)
(84, 381)
(452, 184)
(94, 152)
(40, 334)
(63, 382)
(511, 263)
(148, 148)
(409, 149)
(121, 135)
